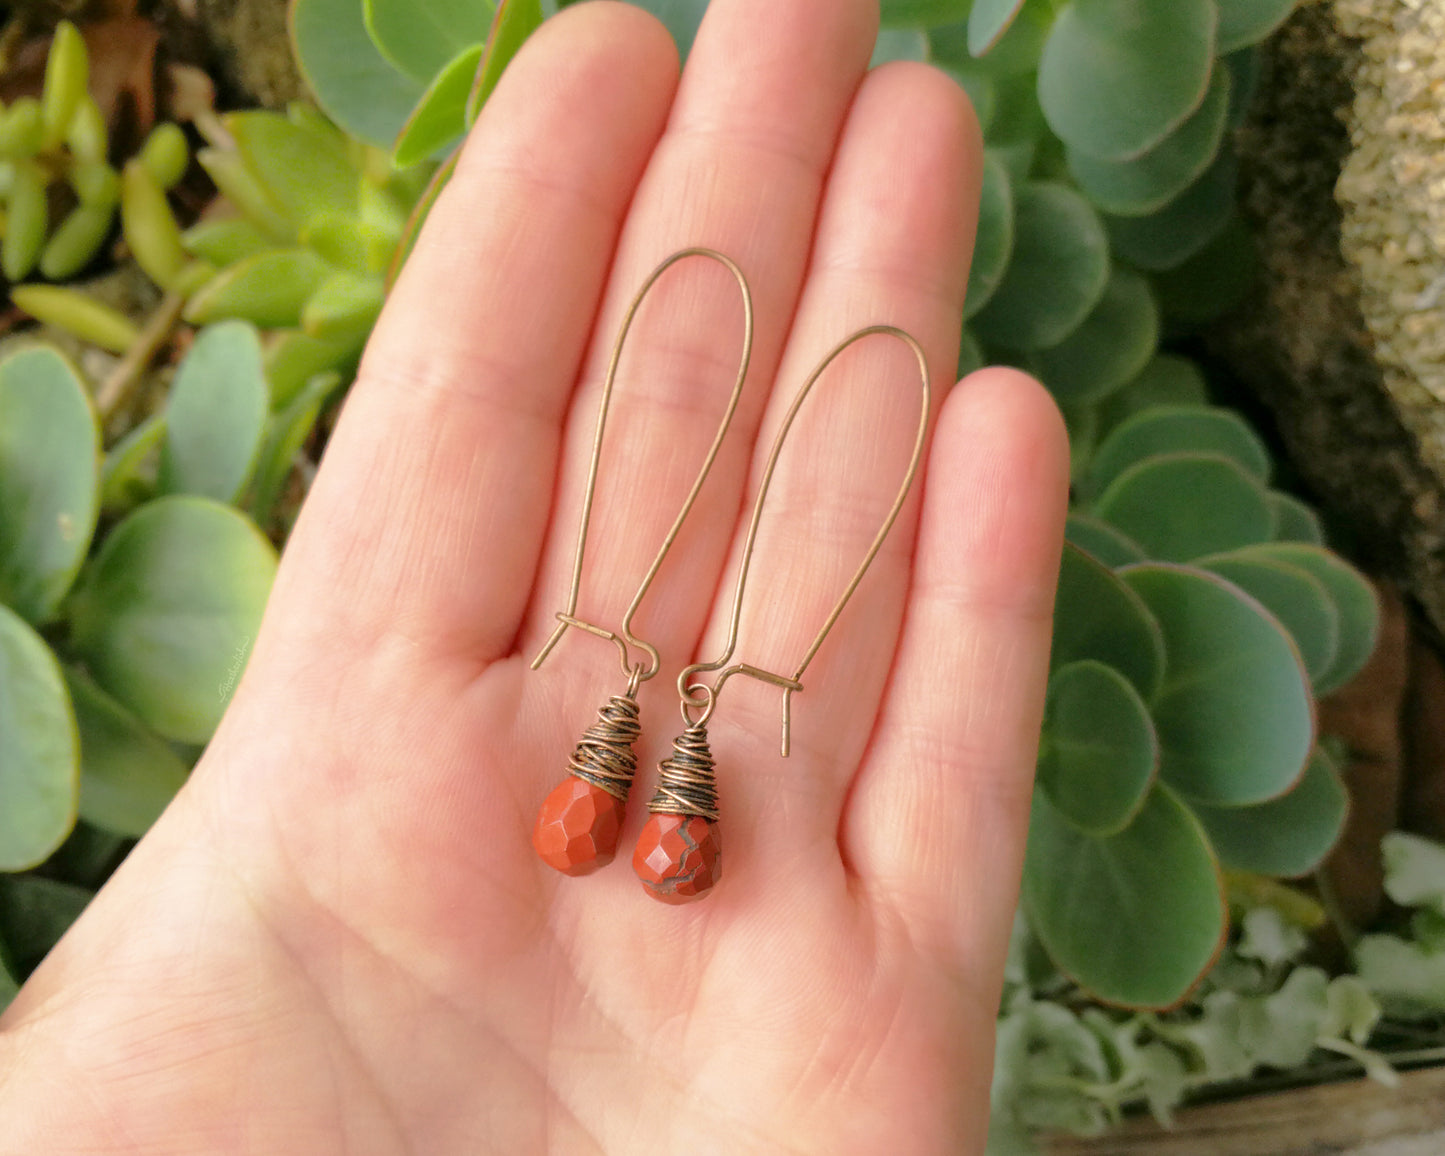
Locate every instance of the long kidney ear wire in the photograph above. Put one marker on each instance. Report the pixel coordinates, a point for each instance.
(678, 855)
(579, 824)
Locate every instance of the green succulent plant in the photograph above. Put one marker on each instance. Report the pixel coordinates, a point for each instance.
(119, 627)
(55, 149)
(1199, 614)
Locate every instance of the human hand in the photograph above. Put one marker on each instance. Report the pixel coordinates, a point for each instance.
(338, 939)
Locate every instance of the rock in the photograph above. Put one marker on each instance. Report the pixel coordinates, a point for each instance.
(1343, 178)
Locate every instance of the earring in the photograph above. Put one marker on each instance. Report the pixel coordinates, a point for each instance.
(579, 824)
(679, 853)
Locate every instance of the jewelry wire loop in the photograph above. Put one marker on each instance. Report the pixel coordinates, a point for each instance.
(699, 696)
(567, 618)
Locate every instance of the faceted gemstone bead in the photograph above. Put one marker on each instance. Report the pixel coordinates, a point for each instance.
(577, 828)
(678, 857)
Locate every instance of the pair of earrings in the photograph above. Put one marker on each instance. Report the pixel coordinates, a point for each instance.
(678, 855)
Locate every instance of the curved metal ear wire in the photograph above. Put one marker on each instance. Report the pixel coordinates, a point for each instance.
(700, 696)
(567, 617)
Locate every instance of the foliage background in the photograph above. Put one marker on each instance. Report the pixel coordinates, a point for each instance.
(1200, 614)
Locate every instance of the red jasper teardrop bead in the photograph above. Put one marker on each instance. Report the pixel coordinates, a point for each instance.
(678, 857)
(578, 827)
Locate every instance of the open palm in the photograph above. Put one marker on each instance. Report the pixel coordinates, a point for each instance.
(339, 939)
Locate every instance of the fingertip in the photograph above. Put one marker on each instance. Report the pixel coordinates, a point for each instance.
(603, 52)
(1002, 392)
(999, 488)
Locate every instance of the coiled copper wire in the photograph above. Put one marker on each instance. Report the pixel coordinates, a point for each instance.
(687, 782)
(604, 756)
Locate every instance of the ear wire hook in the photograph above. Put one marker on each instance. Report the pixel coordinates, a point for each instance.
(700, 696)
(567, 618)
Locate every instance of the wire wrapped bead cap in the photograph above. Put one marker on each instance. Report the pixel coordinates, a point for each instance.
(687, 781)
(604, 756)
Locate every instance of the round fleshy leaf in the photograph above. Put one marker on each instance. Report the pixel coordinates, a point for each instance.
(305, 167)
(1234, 714)
(419, 37)
(1109, 348)
(1172, 429)
(1097, 616)
(440, 116)
(269, 289)
(167, 613)
(1289, 836)
(994, 242)
(1103, 541)
(1246, 22)
(1015, 53)
(49, 481)
(128, 775)
(1058, 272)
(34, 913)
(1167, 380)
(1294, 596)
(1147, 183)
(1135, 918)
(1183, 506)
(357, 86)
(216, 414)
(988, 22)
(39, 752)
(1294, 520)
(1099, 755)
(1213, 282)
(224, 240)
(1118, 76)
(922, 13)
(1168, 238)
(1354, 599)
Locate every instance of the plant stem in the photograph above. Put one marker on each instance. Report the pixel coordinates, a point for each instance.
(117, 390)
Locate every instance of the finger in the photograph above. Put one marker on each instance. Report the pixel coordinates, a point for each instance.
(936, 820)
(741, 169)
(427, 515)
(893, 247)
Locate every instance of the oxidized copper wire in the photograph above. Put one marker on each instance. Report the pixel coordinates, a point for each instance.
(604, 755)
(686, 782)
(698, 696)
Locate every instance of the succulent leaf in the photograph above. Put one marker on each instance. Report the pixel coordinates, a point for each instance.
(352, 81)
(1109, 348)
(1234, 713)
(1118, 76)
(215, 414)
(40, 757)
(1287, 837)
(49, 480)
(166, 614)
(128, 774)
(1098, 616)
(1058, 271)
(1135, 918)
(1099, 754)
